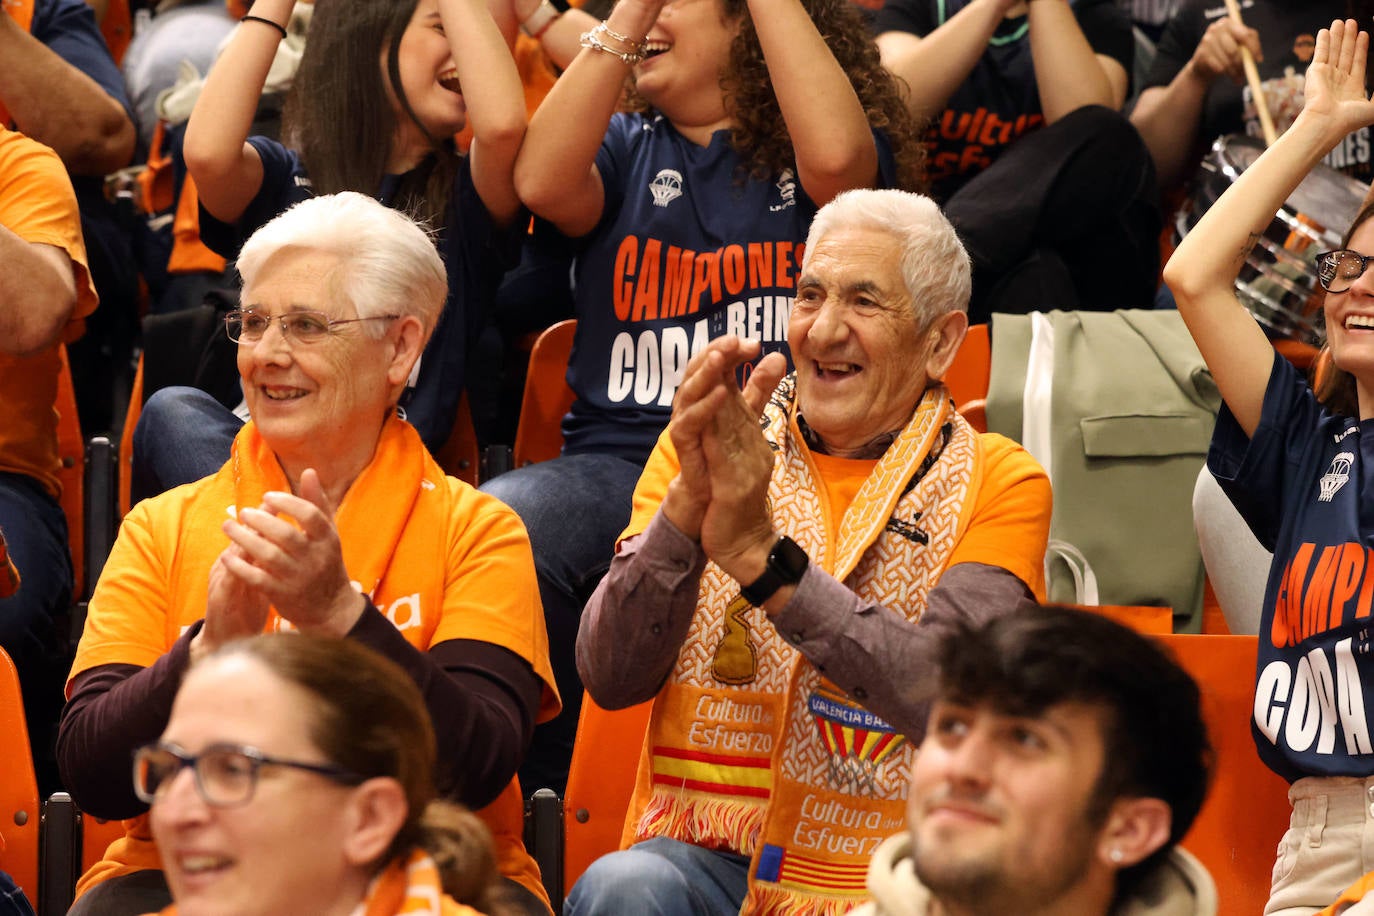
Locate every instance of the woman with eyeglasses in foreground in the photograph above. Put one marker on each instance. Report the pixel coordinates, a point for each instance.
(296, 775)
(329, 518)
(1295, 466)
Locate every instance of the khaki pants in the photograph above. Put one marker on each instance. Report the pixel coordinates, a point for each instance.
(1328, 847)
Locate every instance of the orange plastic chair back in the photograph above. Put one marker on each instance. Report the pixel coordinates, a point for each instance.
(18, 787)
(547, 398)
(71, 449)
(601, 780)
(968, 376)
(1246, 812)
(460, 456)
(126, 439)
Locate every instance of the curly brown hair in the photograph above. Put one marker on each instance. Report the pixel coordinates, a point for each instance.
(760, 135)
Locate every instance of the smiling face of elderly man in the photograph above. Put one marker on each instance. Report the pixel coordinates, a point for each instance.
(879, 314)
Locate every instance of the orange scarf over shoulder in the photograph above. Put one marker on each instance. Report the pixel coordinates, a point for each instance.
(749, 748)
(404, 888)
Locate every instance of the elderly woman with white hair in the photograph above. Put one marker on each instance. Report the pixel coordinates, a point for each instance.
(331, 518)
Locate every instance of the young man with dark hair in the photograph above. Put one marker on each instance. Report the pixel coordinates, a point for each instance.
(1065, 758)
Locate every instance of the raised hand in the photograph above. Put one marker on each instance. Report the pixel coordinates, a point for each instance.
(736, 528)
(289, 552)
(707, 384)
(1334, 91)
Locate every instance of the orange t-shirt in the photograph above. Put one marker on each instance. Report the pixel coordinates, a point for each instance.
(456, 565)
(1006, 527)
(38, 205)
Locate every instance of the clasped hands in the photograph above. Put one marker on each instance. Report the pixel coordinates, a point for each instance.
(720, 496)
(283, 554)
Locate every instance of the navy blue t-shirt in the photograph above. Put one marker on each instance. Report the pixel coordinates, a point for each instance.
(1301, 485)
(68, 29)
(688, 249)
(999, 101)
(476, 254)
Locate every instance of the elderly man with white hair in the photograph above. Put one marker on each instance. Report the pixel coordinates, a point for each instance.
(797, 548)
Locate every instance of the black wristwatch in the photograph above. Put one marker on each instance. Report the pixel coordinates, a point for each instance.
(786, 563)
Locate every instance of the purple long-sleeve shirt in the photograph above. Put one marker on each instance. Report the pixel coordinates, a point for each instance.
(637, 620)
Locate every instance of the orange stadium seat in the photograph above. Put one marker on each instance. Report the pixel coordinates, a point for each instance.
(547, 398)
(601, 780)
(71, 450)
(1247, 810)
(19, 812)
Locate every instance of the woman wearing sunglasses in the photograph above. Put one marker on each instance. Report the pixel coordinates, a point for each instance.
(330, 518)
(296, 775)
(1294, 464)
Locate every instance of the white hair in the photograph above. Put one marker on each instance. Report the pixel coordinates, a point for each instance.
(389, 265)
(934, 264)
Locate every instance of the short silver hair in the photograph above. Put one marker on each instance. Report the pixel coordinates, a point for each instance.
(389, 265)
(934, 264)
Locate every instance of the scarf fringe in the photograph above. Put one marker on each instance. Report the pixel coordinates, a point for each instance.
(702, 820)
(772, 900)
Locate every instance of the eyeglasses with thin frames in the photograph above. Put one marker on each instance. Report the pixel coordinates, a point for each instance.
(1338, 270)
(247, 326)
(226, 775)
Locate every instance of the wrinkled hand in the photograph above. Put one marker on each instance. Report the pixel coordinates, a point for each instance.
(299, 567)
(1219, 51)
(736, 529)
(706, 383)
(233, 608)
(1334, 91)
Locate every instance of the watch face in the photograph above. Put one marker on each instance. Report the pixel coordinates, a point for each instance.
(789, 560)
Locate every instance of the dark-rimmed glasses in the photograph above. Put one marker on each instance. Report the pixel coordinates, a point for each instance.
(306, 327)
(226, 774)
(1338, 270)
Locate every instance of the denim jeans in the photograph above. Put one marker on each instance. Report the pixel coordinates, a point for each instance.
(574, 508)
(183, 434)
(36, 533)
(661, 877)
(12, 899)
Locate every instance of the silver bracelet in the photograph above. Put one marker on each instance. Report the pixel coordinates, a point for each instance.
(593, 41)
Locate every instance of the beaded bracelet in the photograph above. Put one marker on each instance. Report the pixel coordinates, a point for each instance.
(278, 26)
(593, 40)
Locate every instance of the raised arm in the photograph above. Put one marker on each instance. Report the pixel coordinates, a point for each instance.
(494, 98)
(1168, 116)
(227, 170)
(935, 65)
(556, 172)
(59, 105)
(830, 134)
(1068, 73)
(1203, 269)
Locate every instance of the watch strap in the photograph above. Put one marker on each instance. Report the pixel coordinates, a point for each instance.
(787, 562)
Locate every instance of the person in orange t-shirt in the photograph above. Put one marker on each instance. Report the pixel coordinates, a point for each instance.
(45, 293)
(331, 518)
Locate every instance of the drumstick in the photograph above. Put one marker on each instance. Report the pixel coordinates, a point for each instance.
(1252, 77)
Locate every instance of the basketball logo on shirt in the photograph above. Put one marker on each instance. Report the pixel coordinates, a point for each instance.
(1336, 476)
(787, 190)
(666, 187)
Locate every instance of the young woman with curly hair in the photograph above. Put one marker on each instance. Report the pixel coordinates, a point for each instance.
(691, 214)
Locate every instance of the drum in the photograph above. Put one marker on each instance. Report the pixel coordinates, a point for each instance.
(1278, 282)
